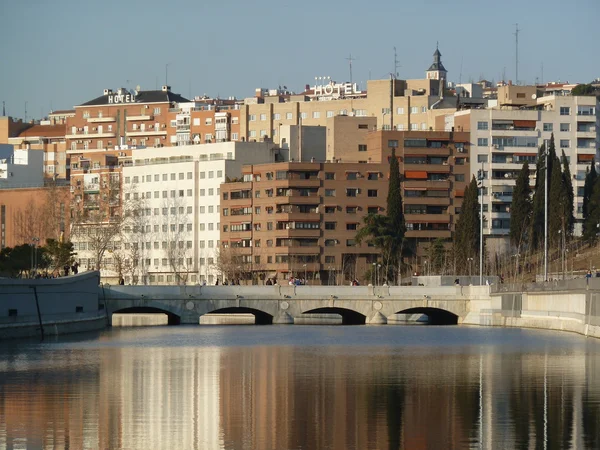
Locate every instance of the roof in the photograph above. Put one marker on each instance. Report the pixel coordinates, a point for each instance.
(437, 66)
(142, 97)
(49, 131)
(61, 112)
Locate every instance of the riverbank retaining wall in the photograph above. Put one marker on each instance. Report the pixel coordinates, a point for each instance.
(570, 305)
(42, 307)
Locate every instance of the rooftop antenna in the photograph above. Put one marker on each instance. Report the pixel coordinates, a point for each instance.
(503, 74)
(190, 88)
(517, 53)
(25, 110)
(396, 63)
(460, 74)
(3, 108)
(350, 59)
(542, 72)
(167, 74)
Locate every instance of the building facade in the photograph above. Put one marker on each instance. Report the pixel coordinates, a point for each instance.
(300, 219)
(503, 138)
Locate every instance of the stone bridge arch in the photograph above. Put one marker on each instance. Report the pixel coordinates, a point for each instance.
(437, 316)
(260, 317)
(349, 316)
(173, 319)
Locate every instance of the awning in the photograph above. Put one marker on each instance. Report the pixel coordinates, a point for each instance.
(585, 157)
(413, 174)
(524, 123)
(459, 193)
(415, 189)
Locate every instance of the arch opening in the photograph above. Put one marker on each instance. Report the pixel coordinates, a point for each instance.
(260, 317)
(435, 316)
(349, 316)
(172, 319)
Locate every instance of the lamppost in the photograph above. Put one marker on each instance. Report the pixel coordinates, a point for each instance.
(516, 265)
(304, 265)
(329, 269)
(378, 280)
(470, 265)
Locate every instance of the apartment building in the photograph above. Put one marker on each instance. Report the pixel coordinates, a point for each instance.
(32, 208)
(168, 208)
(399, 104)
(504, 137)
(435, 168)
(300, 219)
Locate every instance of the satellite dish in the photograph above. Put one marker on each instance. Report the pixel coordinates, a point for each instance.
(533, 96)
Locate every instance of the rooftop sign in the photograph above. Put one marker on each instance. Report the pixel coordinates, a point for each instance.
(121, 98)
(335, 90)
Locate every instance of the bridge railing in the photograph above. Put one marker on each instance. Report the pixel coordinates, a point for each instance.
(550, 286)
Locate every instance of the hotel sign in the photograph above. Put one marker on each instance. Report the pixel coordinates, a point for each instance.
(335, 90)
(121, 98)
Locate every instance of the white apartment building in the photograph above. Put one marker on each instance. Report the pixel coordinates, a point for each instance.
(21, 168)
(175, 238)
(502, 139)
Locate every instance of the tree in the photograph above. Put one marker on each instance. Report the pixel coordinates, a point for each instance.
(567, 198)
(59, 254)
(583, 89)
(394, 213)
(466, 235)
(537, 205)
(16, 261)
(593, 217)
(521, 209)
(590, 180)
(437, 257)
(555, 191)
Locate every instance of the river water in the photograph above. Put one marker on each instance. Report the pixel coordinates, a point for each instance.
(302, 387)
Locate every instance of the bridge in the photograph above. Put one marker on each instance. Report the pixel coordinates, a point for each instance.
(284, 304)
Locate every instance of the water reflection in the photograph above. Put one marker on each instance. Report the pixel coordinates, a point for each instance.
(245, 389)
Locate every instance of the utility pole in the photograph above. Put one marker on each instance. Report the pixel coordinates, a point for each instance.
(517, 53)
(25, 111)
(167, 74)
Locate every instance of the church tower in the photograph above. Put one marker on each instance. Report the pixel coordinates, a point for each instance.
(436, 71)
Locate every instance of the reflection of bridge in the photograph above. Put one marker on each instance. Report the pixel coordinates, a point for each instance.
(281, 304)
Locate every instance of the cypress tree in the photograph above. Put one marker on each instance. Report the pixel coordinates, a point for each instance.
(567, 198)
(466, 236)
(555, 191)
(521, 209)
(593, 216)
(394, 210)
(537, 215)
(590, 179)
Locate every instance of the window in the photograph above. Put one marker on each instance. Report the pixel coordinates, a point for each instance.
(351, 226)
(393, 143)
(352, 192)
(565, 143)
(219, 173)
(330, 225)
(565, 111)
(234, 136)
(289, 116)
(482, 142)
(362, 147)
(211, 191)
(482, 125)
(330, 113)
(565, 127)
(399, 110)
(414, 127)
(189, 192)
(482, 158)
(350, 243)
(459, 177)
(351, 209)
(303, 115)
(189, 209)
(414, 109)
(548, 127)
(276, 116)
(252, 118)
(329, 175)
(211, 174)
(372, 193)
(263, 117)
(329, 192)
(329, 209)
(252, 133)
(316, 115)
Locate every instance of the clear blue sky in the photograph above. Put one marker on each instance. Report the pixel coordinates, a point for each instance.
(65, 52)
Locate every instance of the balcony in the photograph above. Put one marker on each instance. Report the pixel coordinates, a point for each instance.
(443, 201)
(297, 217)
(140, 117)
(444, 184)
(297, 233)
(100, 119)
(427, 218)
(82, 136)
(436, 168)
(136, 133)
(91, 187)
(428, 234)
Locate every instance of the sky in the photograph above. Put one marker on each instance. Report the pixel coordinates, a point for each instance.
(58, 54)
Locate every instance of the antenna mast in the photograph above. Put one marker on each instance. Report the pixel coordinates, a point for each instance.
(460, 74)
(396, 63)
(350, 59)
(517, 53)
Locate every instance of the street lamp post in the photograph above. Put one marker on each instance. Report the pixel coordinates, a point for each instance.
(34, 242)
(480, 177)
(378, 279)
(374, 274)
(304, 265)
(470, 266)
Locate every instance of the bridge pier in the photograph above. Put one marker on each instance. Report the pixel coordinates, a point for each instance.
(283, 318)
(377, 319)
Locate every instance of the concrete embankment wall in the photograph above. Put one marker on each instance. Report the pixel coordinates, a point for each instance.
(56, 306)
(572, 306)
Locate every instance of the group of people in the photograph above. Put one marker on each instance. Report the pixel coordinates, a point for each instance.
(226, 283)
(74, 268)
